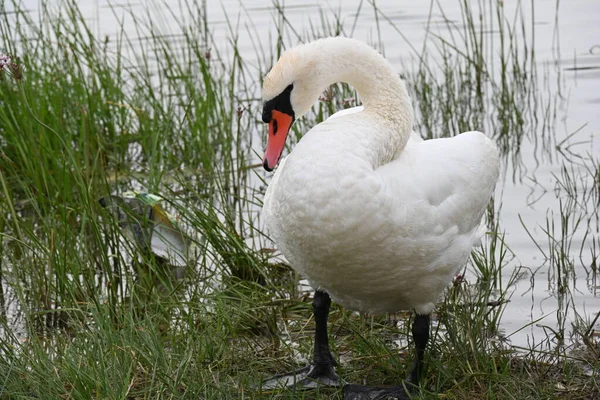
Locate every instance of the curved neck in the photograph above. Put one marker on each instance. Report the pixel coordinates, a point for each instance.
(380, 88)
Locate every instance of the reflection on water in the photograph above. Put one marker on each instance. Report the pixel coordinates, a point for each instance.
(547, 204)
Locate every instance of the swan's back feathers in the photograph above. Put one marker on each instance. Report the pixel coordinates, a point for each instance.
(345, 112)
(450, 180)
(414, 136)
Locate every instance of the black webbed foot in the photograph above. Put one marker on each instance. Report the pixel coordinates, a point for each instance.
(420, 331)
(309, 377)
(359, 392)
(322, 370)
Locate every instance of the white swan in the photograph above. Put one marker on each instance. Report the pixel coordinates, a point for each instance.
(373, 216)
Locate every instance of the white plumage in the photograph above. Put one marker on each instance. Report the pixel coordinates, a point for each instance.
(366, 210)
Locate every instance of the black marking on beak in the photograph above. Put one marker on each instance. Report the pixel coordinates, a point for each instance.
(281, 102)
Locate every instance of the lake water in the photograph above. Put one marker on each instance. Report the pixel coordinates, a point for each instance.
(567, 53)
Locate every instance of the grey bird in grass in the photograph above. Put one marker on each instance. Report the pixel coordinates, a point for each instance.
(154, 232)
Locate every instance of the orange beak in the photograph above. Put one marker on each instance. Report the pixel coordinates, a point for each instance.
(279, 127)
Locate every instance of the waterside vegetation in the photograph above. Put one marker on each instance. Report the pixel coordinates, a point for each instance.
(86, 313)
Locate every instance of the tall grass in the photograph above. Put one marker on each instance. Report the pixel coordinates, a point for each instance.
(88, 118)
(173, 114)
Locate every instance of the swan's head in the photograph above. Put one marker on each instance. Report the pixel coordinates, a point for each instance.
(289, 90)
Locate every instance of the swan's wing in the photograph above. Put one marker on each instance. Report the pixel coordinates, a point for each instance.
(445, 184)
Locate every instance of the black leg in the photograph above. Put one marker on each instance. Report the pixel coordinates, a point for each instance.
(322, 355)
(420, 333)
(321, 371)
